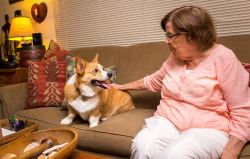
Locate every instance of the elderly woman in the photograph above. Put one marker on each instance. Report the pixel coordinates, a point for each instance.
(205, 105)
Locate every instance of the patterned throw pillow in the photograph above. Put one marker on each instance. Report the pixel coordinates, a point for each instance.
(46, 81)
(111, 69)
(247, 67)
(70, 70)
(54, 53)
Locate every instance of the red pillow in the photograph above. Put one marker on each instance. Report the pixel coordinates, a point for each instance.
(54, 53)
(247, 67)
(46, 81)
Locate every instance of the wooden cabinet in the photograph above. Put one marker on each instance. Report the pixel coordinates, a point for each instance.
(13, 76)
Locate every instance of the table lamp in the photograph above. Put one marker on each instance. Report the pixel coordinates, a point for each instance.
(21, 29)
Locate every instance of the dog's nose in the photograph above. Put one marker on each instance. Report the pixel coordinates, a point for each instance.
(110, 75)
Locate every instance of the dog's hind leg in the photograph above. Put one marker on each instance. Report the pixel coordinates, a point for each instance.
(104, 119)
(71, 116)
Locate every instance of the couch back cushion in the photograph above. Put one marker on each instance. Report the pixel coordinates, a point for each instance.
(138, 61)
(108, 55)
(239, 44)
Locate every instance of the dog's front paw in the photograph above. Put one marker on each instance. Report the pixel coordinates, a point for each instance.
(93, 124)
(93, 121)
(66, 121)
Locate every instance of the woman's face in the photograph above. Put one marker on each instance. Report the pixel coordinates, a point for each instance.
(178, 44)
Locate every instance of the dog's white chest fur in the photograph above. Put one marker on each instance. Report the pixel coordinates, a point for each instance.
(84, 106)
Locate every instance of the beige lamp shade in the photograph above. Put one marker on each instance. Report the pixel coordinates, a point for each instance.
(21, 29)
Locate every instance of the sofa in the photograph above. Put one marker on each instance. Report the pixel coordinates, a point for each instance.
(113, 137)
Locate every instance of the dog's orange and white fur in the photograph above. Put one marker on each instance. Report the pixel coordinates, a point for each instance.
(88, 95)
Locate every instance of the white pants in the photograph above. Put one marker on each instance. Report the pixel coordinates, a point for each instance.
(160, 139)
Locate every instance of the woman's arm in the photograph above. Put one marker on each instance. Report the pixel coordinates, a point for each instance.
(234, 81)
(233, 148)
(136, 85)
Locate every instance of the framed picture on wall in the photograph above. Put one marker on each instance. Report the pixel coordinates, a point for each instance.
(14, 1)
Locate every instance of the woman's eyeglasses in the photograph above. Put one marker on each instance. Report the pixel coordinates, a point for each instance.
(169, 37)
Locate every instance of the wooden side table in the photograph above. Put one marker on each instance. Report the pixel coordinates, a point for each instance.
(13, 76)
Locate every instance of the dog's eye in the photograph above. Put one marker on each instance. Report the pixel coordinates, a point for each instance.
(95, 70)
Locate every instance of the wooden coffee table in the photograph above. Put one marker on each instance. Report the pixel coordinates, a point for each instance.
(80, 155)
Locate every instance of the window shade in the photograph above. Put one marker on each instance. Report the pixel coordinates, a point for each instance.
(84, 23)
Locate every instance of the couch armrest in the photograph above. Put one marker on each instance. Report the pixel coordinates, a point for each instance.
(12, 99)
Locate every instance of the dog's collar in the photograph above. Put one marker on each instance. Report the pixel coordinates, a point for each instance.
(82, 96)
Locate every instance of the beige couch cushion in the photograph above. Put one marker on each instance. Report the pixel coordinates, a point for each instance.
(115, 139)
(240, 44)
(138, 61)
(108, 55)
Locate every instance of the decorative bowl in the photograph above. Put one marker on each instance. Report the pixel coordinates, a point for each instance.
(62, 134)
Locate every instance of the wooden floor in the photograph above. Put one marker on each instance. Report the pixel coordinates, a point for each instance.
(80, 155)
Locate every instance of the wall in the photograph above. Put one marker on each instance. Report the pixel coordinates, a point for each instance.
(47, 27)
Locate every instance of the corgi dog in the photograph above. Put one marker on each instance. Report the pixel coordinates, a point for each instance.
(87, 94)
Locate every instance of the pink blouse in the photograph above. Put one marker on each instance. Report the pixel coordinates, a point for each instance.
(214, 95)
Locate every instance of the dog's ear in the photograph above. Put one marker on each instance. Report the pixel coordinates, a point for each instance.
(95, 59)
(80, 65)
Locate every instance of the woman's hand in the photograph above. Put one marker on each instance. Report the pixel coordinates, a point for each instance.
(118, 86)
(233, 148)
